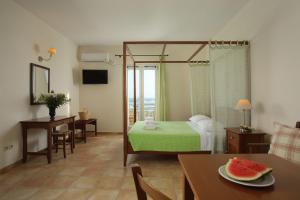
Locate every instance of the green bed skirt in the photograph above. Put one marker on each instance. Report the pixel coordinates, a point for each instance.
(169, 136)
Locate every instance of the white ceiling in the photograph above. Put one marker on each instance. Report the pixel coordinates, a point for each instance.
(114, 21)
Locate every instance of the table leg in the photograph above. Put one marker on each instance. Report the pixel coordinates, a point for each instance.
(188, 193)
(73, 134)
(24, 133)
(84, 132)
(96, 131)
(49, 144)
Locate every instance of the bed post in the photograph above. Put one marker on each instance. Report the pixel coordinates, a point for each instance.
(134, 92)
(125, 136)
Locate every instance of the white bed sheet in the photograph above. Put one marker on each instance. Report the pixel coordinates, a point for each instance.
(206, 137)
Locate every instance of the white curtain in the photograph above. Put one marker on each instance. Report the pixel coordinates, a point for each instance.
(200, 89)
(230, 81)
(160, 96)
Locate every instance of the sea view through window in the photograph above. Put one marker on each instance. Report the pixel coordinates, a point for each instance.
(145, 93)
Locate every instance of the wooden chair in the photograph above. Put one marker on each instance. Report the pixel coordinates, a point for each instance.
(80, 135)
(143, 188)
(62, 138)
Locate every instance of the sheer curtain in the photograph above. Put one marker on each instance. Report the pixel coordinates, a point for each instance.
(230, 81)
(200, 89)
(160, 99)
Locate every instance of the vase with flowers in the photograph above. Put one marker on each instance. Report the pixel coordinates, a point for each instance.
(53, 101)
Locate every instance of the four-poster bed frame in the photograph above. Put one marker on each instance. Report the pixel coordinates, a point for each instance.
(126, 144)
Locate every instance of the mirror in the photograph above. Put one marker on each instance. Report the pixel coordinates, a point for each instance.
(39, 82)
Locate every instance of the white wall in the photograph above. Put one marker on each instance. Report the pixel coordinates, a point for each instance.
(275, 64)
(178, 92)
(23, 37)
(104, 102)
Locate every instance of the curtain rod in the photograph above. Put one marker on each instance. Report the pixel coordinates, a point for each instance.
(189, 42)
(120, 55)
(173, 61)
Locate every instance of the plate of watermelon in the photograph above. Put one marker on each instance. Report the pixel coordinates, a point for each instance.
(247, 172)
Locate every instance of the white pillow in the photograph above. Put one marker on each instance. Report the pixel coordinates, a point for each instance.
(205, 125)
(197, 118)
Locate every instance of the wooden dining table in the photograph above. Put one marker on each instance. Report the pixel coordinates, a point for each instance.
(203, 182)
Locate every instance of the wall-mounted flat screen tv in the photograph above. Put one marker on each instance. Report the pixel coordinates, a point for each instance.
(93, 76)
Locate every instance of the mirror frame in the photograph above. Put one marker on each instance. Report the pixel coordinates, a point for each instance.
(32, 66)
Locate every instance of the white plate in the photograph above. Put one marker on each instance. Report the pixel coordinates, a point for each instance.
(265, 181)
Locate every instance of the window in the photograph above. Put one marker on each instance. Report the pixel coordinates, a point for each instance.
(145, 93)
(149, 92)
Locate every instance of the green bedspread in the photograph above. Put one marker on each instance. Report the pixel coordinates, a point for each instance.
(168, 136)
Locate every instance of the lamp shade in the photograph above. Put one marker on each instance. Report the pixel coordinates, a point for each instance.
(52, 51)
(243, 104)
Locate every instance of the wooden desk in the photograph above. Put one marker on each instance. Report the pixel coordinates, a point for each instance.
(203, 181)
(81, 124)
(49, 125)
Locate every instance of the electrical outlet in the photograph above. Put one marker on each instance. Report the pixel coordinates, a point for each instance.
(9, 147)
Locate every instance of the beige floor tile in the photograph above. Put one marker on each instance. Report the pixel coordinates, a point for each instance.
(28, 171)
(60, 182)
(48, 171)
(116, 172)
(46, 194)
(104, 194)
(92, 171)
(5, 188)
(34, 181)
(104, 157)
(11, 179)
(19, 193)
(179, 195)
(158, 182)
(168, 192)
(128, 184)
(85, 183)
(72, 171)
(109, 182)
(75, 194)
(127, 195)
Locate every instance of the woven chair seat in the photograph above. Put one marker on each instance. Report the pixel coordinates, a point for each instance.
(62, 138)
(62, 132)
(78, 131)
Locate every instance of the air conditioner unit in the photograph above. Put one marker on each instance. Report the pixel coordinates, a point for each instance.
(95, 57)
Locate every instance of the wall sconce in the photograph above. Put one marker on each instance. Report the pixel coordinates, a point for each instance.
(51, 51)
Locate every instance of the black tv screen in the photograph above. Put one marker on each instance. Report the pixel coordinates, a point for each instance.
(92, 76)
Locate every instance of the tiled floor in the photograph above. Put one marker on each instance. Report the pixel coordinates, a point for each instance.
(94, 171)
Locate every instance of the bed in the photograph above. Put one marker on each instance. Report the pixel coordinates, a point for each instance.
(145, 148)
(169, 137)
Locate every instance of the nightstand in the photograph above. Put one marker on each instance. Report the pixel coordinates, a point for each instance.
(237, 142)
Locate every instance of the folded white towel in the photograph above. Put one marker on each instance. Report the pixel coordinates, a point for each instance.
(149, 119)
(149, 123)
(150, 127)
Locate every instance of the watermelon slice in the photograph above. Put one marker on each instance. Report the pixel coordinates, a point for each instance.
(254, 165)
(236, 170)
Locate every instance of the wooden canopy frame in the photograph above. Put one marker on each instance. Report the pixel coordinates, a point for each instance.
(127, 52)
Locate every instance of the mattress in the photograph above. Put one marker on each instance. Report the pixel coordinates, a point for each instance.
(169, 136)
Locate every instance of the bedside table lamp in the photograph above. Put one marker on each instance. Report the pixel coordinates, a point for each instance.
(243, 104)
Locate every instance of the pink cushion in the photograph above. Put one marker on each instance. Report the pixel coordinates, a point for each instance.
(286, 143)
